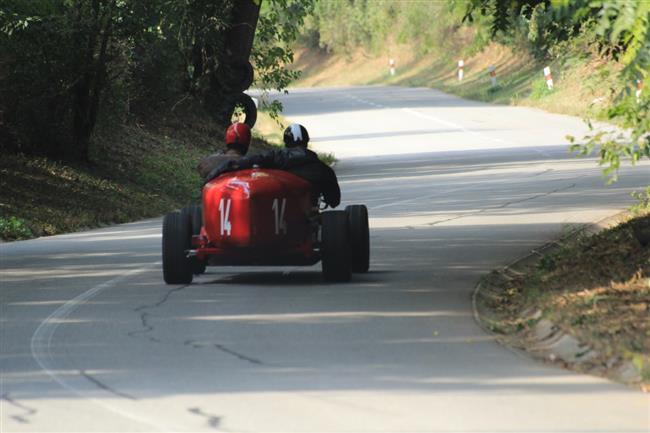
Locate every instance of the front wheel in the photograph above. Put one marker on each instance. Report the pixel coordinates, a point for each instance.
(335, 246)
(176, 240)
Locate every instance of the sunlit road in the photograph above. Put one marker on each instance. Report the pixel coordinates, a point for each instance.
(92, 340)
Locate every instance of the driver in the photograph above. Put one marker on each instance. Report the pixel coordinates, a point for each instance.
(294, 158)
(238, 140)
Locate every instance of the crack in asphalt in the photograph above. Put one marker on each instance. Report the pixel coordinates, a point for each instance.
(502, 206)
(144, 321)
(213, 421)
(238, 355)
(197, 345)
(103, 386)
(28, 411)
(144, 315)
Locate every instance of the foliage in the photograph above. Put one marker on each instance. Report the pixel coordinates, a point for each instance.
(67, 65)
(620, 28)
(343, 26)
(13, 228)
(278, 27)
(642, 204)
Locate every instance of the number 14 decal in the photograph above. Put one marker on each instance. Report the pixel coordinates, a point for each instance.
(279, 207)
(224, 211)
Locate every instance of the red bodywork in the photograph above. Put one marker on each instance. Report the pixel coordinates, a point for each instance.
(258, 217)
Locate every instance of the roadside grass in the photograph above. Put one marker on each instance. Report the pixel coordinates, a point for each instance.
(143, 169)
(594, 287)
(581, 80)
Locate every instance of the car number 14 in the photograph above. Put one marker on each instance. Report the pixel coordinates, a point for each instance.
(224, 212)
(279, 206)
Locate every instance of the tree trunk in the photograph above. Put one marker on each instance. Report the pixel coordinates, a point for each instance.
(237, 50)
(89, 89)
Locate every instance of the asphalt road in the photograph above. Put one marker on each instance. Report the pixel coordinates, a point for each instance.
(92, 340)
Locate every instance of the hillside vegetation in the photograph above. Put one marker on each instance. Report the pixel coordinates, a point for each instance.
(107, 105)
(597, 50)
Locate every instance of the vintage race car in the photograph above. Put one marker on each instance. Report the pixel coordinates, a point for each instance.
(263, 217)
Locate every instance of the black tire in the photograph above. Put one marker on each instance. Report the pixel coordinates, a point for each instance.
(195, 215)
(176, 241)
(248, 106)
(236, 77)
(359, 237)
(335, 247)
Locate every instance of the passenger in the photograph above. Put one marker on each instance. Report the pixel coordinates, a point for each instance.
(294, 158)
(238, 140)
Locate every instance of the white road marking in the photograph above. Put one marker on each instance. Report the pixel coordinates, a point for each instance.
(443, 122)
(41, 344)
(456, 126)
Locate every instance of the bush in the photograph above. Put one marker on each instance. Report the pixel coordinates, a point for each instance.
(13, 228)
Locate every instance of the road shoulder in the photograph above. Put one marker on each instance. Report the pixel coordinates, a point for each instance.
(580, 302)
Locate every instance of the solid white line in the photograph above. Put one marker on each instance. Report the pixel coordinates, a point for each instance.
(41, 343)
(456, 126)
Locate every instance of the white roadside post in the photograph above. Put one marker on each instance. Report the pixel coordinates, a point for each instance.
(461, 64)
(391, 64)
(548, 77)
(493, 75)
(639, 88)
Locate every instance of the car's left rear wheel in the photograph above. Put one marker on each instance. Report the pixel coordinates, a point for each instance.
(176, 240)
(195, 212)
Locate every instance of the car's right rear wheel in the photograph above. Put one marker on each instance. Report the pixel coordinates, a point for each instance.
(176, 240)
(359, 237)
(335, 247)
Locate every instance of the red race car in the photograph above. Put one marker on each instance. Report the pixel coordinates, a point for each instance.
(263, 217)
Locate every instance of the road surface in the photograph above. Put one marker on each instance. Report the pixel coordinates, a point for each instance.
(93, 341)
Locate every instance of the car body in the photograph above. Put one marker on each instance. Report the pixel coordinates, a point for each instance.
(263, 217)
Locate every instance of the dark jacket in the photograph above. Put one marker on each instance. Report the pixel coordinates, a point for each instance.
(207, 164)
(297, 160)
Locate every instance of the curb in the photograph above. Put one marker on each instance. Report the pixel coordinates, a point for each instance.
(545, 341)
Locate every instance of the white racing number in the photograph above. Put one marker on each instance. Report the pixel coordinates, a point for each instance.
(279, 207)
(224, 211)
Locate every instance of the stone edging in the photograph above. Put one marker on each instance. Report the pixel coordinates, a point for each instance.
(544, 340)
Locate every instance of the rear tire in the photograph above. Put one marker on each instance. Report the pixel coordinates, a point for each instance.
(335, 247)
(359, 237)
(195, 212)
(176, 240)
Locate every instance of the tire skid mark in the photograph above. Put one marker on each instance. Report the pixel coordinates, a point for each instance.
(41, 346)
(27, 411)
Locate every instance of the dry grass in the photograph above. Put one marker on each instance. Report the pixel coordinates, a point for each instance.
(596, 288)
(582, 82)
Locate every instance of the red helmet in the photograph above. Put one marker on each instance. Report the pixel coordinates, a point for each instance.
(238, 136)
